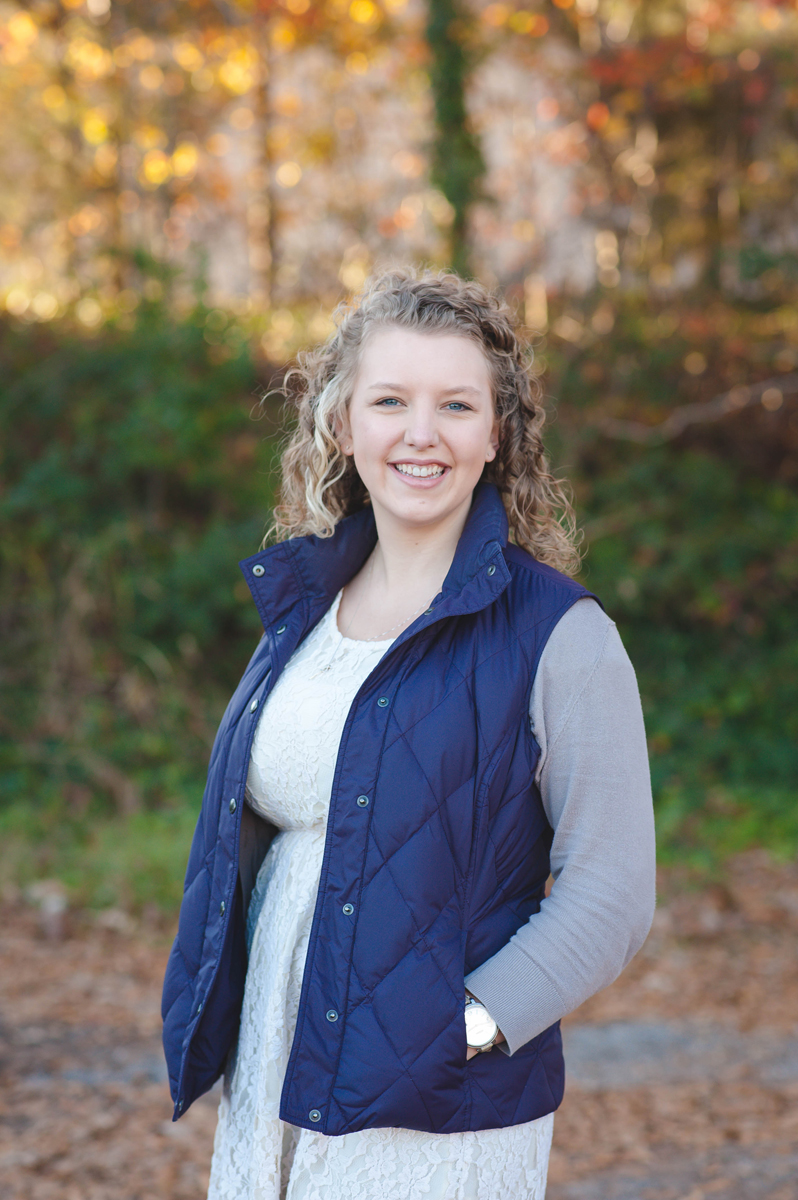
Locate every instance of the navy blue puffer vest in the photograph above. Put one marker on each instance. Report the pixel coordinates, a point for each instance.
(436, 837)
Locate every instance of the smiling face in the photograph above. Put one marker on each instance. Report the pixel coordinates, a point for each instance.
(421, 424)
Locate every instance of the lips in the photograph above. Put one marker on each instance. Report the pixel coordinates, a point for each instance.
(423, 475)
(419, 471)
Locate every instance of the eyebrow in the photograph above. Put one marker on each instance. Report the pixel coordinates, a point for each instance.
(399, 387)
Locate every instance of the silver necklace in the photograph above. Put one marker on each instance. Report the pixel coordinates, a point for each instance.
(383, 633)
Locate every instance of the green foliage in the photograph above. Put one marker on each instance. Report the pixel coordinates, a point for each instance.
(457, 163)
(700, 569)
(693, 548)
(135, 862)
(134, 479)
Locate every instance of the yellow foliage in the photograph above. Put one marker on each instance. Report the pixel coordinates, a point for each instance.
(496, 15)
(89, 60)
(353, 274)
(17, 301)
(87, 220)
(22, 29)
(770, 18)
(122, 56)
(364, 12)
(89, 313)
(522, 22)
(94, 128)
(242, 118)
(288, 174)
(283, 35)
(218, 144)
(188, 56)
(156, 168)
(44, 306)
(283, 322)
(151, 77)
(524, 231)
(287, 104)
(238, 72)
(149, 137)
(320, 327)
(185, 159)
(54, 97)
(141, 47)
(105, 159)
(202, 80)
(357, 63)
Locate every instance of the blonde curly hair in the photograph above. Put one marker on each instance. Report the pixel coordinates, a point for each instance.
(320, 484)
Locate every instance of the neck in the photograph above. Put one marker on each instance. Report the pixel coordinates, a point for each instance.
(415, 558)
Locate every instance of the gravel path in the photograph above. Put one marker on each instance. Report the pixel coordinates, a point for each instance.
(682, 1077)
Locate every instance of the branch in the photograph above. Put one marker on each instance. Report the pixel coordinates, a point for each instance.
(735, 400)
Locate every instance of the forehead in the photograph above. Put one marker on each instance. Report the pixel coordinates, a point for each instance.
(412, 357)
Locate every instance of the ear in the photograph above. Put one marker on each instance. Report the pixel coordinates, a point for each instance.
(493, 448)
(343, 433)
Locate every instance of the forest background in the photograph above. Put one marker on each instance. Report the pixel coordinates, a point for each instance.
(188, 189)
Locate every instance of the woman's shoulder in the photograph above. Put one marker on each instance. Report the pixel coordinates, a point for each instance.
(584, 646)
(583, 676)
(528, 571)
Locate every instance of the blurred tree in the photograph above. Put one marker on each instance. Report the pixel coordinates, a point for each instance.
(457, 163)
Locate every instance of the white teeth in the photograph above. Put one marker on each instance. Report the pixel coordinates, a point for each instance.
(418, 472)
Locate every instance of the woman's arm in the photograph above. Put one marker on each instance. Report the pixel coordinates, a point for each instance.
(596, 790)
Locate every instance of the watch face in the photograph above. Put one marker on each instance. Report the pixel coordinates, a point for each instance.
(480, 1026)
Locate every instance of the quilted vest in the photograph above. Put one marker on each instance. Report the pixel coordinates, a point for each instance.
(437, 848)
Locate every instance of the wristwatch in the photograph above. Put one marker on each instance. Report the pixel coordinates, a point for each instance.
(481, 1029)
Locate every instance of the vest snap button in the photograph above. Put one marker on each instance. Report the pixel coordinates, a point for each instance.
(258, 570)
(383, 701)
(314, 1115)
(332, 1015)
(282, 629)
(491, 570)
(253, 706)
(348, 909)
(222, 908)
(362, 801)
(232, 805)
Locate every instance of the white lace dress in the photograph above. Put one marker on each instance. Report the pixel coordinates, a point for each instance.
(257, 1156)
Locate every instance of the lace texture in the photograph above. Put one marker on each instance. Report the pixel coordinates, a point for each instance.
(256, 1156)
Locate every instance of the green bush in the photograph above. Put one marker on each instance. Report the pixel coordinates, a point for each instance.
(135, 475)
(134, 478)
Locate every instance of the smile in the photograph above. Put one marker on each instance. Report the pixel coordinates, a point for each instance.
(431, 472)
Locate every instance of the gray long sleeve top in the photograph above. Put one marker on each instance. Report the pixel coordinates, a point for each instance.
(595, 786)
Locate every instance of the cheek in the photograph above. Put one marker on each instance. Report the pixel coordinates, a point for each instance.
(370, 440)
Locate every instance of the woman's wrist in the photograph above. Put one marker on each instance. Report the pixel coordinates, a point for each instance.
(484, 1022)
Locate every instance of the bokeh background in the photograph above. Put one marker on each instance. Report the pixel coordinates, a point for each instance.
(188, 189)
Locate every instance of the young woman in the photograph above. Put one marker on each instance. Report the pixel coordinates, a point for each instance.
(437, 717)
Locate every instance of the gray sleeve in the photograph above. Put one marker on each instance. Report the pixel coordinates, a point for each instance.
(596, 789)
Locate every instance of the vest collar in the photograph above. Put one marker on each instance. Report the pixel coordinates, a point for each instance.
(310, 571)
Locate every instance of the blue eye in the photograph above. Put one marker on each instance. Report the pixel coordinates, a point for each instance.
(389, 400)
(457, 406)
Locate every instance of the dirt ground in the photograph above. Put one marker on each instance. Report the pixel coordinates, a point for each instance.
(684, 1083)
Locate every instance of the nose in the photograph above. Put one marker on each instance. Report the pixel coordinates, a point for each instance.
(421, 430)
